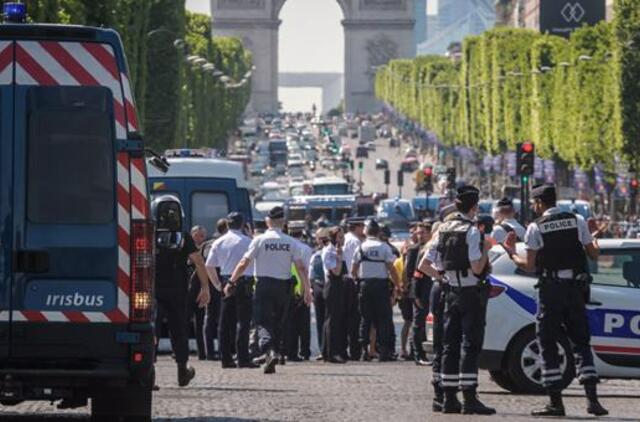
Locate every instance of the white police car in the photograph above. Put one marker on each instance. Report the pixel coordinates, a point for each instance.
(510, 350)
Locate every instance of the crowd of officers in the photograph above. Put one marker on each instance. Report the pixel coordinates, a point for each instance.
(264, 285)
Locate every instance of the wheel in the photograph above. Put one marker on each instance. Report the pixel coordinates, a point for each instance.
(503, 380)
(524, 363)
(130, 404)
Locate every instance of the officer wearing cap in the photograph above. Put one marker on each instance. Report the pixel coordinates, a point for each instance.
(459, 249)
(236, 307)
(507, 222)
(373, 266)
(352, 240)
(272, 253)
(557, 245)
(335, 335)
(317, 280)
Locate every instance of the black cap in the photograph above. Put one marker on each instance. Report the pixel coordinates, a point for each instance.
(371, 222)
(544, 192)
(385, 231)
(276, 213)
(505, 202)
(468, 193)
(235, 218)
(355, 221)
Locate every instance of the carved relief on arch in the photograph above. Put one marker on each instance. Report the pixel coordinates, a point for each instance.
(380, 50)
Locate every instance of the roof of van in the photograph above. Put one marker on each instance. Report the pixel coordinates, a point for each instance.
(202, 167)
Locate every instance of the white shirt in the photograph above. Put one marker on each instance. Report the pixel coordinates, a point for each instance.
(351, 244)
(500, 234)
(306, 252)
(329, 260)
(273, 254)
(227, 251)
(473, 249)
(372, 258)
(533, 237)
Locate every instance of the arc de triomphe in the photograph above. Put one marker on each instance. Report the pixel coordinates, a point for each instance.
(375, 31)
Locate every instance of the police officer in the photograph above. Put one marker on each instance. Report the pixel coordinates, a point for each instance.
(273, 253)
(334, 335)
(352, 240)
(507, 222)
(373, 266)
(420, 290)
(174, 249)
(298, 341)
(557, 245)
(461, 252)
(236, 307)
(316, 278)
(195, 314)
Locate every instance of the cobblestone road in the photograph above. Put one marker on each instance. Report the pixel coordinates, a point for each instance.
(322, 392)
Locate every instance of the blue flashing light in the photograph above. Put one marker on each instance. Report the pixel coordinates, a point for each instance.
(15, 12)
(185, 153)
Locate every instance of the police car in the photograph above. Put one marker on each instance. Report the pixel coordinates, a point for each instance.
(76, 241)
(510, 350)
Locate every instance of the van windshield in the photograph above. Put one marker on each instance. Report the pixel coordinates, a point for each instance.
(71, 155)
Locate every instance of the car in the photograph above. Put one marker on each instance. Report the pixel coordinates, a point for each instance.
(409, 165)
(511, 352)
(382, 164)
(362, 152)
(77, 249)
(393, 143)
(371, 146)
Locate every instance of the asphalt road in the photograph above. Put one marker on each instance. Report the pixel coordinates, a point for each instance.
(314, 391)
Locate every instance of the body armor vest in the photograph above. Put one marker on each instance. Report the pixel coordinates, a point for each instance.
(452, 245)
(562, 249)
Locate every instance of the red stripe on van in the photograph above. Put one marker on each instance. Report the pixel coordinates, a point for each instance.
(105, 58)
(6, 57)
(75, 316)
(117, 316)
(33, 68)
(69, 63)
(34, 316)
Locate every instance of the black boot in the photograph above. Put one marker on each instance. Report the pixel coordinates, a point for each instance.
(270, 363)
(473, 406)
(438, 398)
(554, 408)
(593, 405)
(451, 403)
(185, 374)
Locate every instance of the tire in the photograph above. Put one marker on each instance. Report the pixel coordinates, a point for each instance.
(503, 380)
(524, 363)
(130, 404)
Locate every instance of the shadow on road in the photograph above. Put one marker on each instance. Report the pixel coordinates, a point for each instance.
(87, 418)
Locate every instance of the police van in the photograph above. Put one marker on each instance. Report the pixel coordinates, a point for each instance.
(208, 188)
(76, 254)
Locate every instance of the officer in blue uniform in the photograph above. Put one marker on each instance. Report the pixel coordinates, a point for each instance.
(174, 248)
(557, 245)
(373, 266)
(460, 250)
(317, 280)
(273, 254)
(236, 307)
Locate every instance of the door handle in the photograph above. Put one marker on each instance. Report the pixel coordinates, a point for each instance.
(594, 303)
(35, 262)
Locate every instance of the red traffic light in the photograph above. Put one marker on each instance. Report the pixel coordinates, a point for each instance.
(428, 171)
(527, 147)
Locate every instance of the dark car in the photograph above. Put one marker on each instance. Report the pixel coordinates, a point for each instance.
(362, 152)
(382, 164)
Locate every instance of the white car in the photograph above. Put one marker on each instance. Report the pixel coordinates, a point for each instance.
(510, 350)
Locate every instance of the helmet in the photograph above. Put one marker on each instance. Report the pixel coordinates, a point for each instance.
(167, 213)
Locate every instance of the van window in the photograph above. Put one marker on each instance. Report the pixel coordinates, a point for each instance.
(207, 208)
(616, 268)
(71, 157)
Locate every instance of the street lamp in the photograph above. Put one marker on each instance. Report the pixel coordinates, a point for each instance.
(545, 69)
(585, 58)
(216, 73)
(564, 64)
(225, 79)
(208, 67)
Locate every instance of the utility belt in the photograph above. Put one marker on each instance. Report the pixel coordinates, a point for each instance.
(464, 274)
(372, 280)
(481, 284)
(581, 282)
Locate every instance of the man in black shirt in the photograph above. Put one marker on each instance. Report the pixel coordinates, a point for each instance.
(419, 290)
(174, 249)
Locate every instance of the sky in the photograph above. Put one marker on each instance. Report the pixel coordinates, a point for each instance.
(311, 40)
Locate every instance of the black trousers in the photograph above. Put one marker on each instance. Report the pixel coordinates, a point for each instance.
(418, 334)
(196, 316)
(299, 333)
(353, 318)
(270, 304)
(375, 305)
(464, 322)
(212, 316)
(172, 304)
(319, 306)
(235, 322)
(436, 307)
(562, 312)
(335, 335)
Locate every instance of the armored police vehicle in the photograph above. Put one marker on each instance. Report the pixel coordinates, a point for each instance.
(76, 254)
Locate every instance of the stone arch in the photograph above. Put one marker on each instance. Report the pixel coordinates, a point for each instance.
(375, 31)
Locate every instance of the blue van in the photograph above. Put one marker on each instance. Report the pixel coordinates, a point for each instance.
(208, 188)
(76, 252)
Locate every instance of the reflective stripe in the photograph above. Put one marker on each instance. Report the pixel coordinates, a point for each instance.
(469, 376)
(450, 377)
(449, 383)
(551, 378)
(463, 382)
(550, 371)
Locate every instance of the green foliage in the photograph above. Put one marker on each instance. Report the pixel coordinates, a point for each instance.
(577, 99)
(178, 104)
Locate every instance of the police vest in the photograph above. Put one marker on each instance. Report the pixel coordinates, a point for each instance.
(317, 270)
(452, 245)
(562, 249)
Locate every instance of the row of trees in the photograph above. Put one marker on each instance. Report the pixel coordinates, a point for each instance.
(181, 104)
(577, 99)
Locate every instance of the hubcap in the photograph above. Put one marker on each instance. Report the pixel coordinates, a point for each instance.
(531, 361)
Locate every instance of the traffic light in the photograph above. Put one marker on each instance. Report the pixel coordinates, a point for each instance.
(400, 178)
(427, 181)
(360, 166)
(633, 187)
(451, 177)
(387, 177)
(525, 159)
